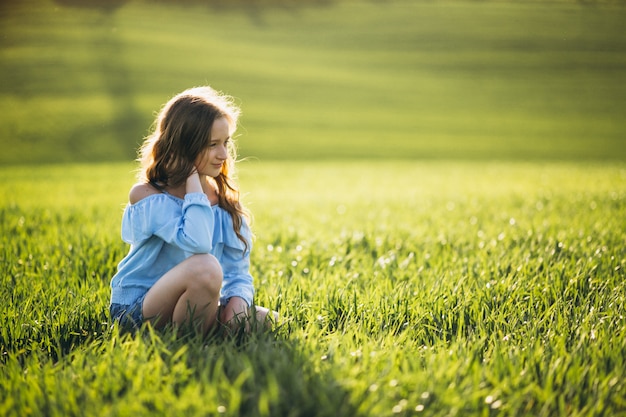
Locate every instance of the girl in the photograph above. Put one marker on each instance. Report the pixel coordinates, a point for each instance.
(189, 239)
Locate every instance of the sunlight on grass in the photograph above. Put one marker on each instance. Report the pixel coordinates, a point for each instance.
(406, 288)
(407, 79)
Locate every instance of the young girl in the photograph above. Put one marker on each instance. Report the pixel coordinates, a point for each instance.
(189, 239)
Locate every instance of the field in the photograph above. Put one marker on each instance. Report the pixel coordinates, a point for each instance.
(439, 200)
(406, 288)
(351, 79)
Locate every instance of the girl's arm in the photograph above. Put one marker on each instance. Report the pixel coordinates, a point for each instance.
(238, 281)
(195, 228)
(191, 230)
(235, 260)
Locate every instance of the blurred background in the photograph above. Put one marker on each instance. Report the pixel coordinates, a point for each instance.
(81, 81)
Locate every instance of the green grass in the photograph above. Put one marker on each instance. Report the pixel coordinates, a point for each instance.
(439, 282)
(406, 288)
(401, 79)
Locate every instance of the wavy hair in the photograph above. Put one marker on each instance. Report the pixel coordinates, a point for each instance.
(181, 132)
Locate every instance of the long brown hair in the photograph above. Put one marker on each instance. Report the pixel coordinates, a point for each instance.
(181, 132)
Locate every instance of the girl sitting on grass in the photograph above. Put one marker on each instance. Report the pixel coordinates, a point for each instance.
(189, 239)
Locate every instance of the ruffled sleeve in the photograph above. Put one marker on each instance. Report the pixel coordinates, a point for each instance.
(187, 224)
(234, 258)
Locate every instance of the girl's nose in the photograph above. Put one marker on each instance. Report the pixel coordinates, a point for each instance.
(223, 154)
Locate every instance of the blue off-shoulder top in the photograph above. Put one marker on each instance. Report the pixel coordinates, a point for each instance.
(163, 230)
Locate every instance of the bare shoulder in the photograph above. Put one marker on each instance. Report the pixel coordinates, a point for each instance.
(140, 191)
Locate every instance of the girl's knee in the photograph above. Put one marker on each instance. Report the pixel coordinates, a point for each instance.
(206, 272)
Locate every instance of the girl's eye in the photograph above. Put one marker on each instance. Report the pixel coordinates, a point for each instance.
(214, 144)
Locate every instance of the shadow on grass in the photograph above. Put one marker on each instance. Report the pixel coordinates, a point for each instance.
(258, 374)
(263, 373)
(50, 336)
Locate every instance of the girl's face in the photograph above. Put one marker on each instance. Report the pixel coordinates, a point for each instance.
(210, 161)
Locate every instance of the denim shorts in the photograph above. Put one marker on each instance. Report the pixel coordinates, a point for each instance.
(129, 316)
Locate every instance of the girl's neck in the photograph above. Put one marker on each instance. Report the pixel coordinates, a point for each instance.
(178, 191)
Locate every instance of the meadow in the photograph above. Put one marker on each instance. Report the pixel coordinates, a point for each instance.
(405, 288)
(349, 79)
(439, 200)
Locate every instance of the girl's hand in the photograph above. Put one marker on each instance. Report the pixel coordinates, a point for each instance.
(235, 314)
(193, 185)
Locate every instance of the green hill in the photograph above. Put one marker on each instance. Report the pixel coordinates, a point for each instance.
(396, 79)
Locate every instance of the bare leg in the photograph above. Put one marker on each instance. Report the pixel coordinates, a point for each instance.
(188, 292)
